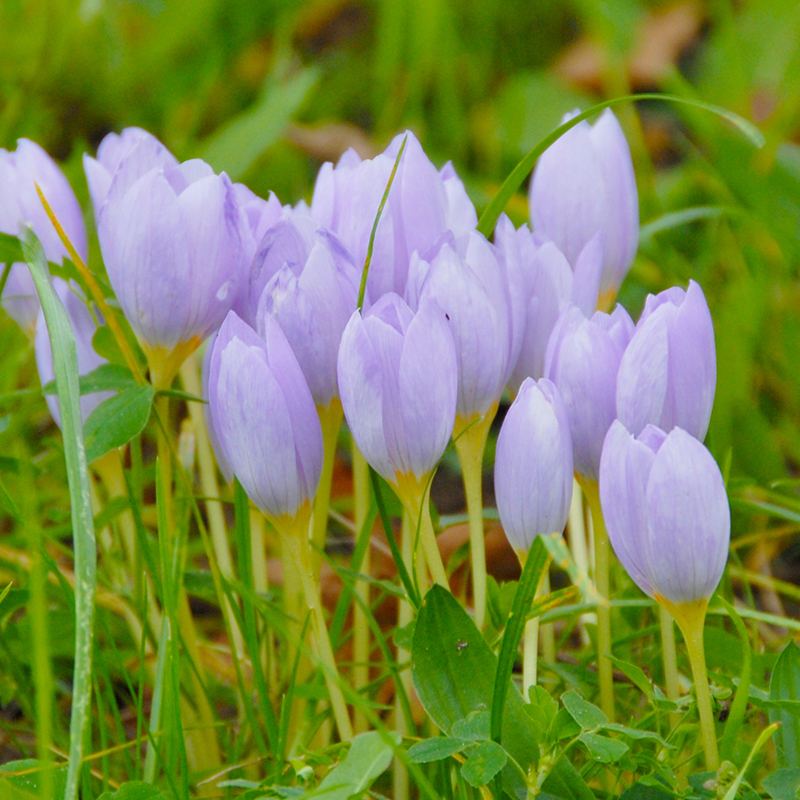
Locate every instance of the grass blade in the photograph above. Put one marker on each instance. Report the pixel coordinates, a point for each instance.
(65, 366)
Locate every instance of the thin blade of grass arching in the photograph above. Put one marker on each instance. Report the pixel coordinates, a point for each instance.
(518, 175)
(65, 367)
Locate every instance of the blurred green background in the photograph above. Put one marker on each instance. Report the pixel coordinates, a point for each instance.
(269, 89)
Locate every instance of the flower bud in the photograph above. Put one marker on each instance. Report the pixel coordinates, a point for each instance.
(264, 416)
(465, 279)
(135, 150)
(544, 285)
(533, 465)
(20, 171)
(582, 184)
(666, 512)
(398, 381)
(421, 206)
(312, 303)
(83, 327)
(172, 246)
(583, 357)
(668, 374)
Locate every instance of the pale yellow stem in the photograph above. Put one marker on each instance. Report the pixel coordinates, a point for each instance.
(470, 441)
(670, 660)
(405, 615)
(297, 548)
(602, 557)
(361, 631)
(330, 418)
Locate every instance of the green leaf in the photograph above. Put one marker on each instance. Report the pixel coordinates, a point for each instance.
(239, 143)
(603, 749)
(783, 784)
(135, 790)
(646, 791)
(635, 675)
(475, 727)
(65, 367)
(117, 420)
(21, 780)
(542, 710)
(453, 669)
(10, 249)
(635, 733)
(588, 716)
(369, 755)
(435, 749)
(403, 637)
(785, 685)
(485, 761)
(106, 378)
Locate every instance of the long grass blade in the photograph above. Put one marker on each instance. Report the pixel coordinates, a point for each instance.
(65, 366)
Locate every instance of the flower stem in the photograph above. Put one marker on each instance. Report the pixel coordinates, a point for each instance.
(414, 494)
(361, 631)
(297, 548)
(470, 442)
(405, 615)
(530, 656)
(670, 660)
(330, 418)
(602, 557)
(691, 620)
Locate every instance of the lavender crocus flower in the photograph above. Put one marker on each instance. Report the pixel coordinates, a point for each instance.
(422, 205)
(545, 283)
(135, 150)
(668, 374)
(584, 183)
(398, 381)
(264, 417)
(172, 245)
(83, 327)
(533, 465)
(20, 171)
(666, 511)
(466, 280)
(583, 357)
(312, 308)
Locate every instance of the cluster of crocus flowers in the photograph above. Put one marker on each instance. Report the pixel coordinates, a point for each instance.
(447, 323)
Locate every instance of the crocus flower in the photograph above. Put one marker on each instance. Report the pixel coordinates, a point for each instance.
(668, 374)
(398, 381)
(584, 183)
(83, 327)
(466, 280)
(422, 205)
(312, 308)
(666, 511)
(582, 360)
(20, 171)
(172, 246)
(533, 465)
(136, 150)
(545, 284)
(264, 416)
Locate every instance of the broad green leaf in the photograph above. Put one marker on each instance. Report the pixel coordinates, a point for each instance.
(635, 733)
(784, 784)
(785, 685)
(635, 675)
(603, 749)
(22, 780)
(475, 727)
(646, 791)
(369, 755)
(542, 709)
(453, 671)
(117, 420)
(10, 249)
(436, 749)
(135, 790)
(106, 378)
(484, 762)
(239, 143)
(588, 716)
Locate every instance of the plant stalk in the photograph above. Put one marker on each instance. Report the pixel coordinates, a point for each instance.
(361, 630)
(668, 653)
(470, 442)
(330, 418)
(602, 557)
